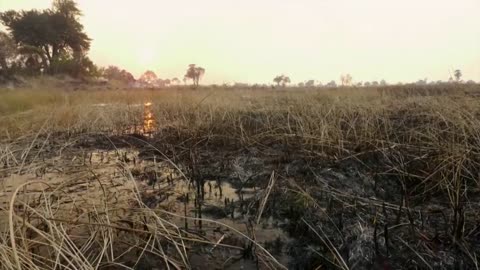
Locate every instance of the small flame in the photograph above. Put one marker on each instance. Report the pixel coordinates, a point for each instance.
(148, 119)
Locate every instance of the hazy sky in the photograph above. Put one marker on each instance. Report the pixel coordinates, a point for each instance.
(254, 40)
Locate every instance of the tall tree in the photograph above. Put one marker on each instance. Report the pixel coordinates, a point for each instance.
(57, 32)
(194, 73)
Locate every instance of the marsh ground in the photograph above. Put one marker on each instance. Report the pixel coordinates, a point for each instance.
(371, 178)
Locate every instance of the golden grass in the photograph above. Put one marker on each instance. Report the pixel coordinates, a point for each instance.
(24, 110)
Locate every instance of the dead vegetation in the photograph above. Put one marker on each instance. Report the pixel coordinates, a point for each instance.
(382, 178)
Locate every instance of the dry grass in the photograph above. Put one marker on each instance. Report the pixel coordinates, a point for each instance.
(427, 139)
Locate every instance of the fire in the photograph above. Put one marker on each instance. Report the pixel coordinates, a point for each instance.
(148, 119)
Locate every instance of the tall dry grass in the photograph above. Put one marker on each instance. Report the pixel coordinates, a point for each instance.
(428, 138)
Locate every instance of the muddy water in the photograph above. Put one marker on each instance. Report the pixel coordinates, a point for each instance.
(222, 203)
(83, 180)
(98, 177)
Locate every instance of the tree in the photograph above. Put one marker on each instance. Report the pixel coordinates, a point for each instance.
(111, 73)
(278, 79)
(282, 79)
(301, 84)
(332, 84)
(127, 76)
(56, 32)
(175, 81)
(310, 83)
(421, 82)
(161, 83)
(77, 66)
(458, 74)
(346, 80)
(383, 83)
(148, 77)
(68, 8)
(114, 73)
(194, 73)
(7, 53)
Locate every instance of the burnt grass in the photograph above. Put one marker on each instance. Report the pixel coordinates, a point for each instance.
(396, 190)
(369, 205)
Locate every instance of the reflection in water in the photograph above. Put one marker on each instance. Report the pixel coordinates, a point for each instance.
(148, 119)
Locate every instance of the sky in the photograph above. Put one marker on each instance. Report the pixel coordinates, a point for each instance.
(252, 41)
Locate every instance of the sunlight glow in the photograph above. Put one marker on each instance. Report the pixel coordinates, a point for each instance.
(252, 41)
(146, 57)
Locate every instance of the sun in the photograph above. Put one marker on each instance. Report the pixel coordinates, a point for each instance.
(146, 56)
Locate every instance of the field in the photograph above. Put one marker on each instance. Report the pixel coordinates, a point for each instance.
(217, 178)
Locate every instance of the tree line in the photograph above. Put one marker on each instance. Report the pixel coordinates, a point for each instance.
(150, 79)
(53, 41)
(346, 80)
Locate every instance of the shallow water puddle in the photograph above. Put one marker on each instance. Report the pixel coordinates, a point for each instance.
(104, 177)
